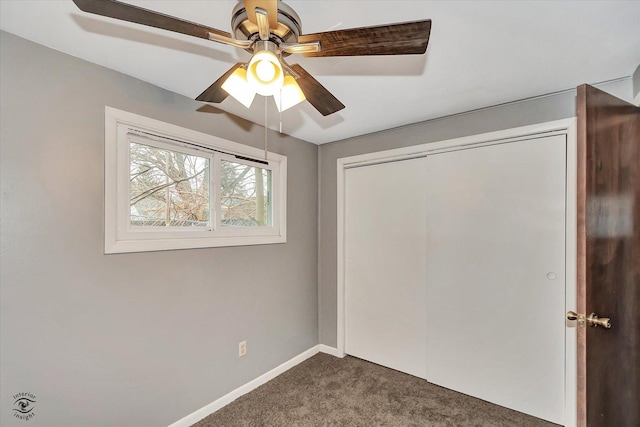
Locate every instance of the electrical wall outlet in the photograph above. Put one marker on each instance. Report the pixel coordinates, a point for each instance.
(242, 348)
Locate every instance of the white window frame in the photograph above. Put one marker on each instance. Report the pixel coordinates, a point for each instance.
(122, 128)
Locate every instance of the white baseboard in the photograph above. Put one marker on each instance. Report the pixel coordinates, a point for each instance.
(322, 348)
(212, 407)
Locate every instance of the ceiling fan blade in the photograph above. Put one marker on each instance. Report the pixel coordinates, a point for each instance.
(395, 39)
(300, 48)
(138, 15)
(316, 94)
(215, 93)
(269, 6)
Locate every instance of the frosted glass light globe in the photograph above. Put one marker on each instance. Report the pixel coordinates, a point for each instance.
(266, 71)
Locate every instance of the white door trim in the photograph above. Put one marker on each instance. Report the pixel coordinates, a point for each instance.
(566, 127)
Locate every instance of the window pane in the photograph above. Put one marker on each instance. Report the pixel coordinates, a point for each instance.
(168, 188)
(245, 195)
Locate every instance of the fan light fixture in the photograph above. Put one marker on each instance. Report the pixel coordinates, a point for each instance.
(264, 75)
(237, 86)
(289, 95)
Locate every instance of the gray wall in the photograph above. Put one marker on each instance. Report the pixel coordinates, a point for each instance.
(636, 82)
(131, 339)
(522, 113)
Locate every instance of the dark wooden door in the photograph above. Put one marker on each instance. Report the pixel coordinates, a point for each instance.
(608, 259)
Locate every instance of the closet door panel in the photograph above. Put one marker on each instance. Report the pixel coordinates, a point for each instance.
(385, 270)
(495, 273)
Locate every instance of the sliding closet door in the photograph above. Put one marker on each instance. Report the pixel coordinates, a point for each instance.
(385, 269)
(495, 274)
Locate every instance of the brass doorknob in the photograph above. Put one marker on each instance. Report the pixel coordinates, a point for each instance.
(593, 320)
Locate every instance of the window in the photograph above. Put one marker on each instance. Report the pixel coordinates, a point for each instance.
(168, 187)
(244, 195)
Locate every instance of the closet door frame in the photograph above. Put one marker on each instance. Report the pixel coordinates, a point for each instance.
(565, 127)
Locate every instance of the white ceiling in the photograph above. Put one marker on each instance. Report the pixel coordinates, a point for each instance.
(481, 53)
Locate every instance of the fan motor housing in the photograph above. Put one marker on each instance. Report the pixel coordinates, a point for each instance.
(288, 31)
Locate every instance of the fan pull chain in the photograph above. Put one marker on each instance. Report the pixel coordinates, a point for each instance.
(280, 111)
(265, 128)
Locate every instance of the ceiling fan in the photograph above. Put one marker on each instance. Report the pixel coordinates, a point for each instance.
(270, 30)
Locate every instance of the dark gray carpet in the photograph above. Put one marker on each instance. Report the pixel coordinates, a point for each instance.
(328, 391)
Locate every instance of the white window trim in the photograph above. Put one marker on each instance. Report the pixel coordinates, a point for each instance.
(118, 235)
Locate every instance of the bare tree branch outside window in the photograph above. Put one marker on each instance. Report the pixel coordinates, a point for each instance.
(168, 188)
(245, 198)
